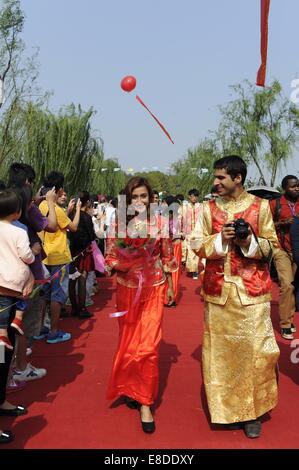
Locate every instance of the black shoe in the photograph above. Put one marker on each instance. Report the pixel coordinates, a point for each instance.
(173, 304)
(233, 426)
(253, 428)
(85, 314)
(286, 333)
(6, 437)
(17, 411)
(148, 428)
(133, 404)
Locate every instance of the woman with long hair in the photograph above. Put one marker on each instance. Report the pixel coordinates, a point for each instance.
(143, 260)
(80, 246)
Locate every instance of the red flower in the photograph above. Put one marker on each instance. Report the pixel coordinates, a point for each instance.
(127, 241)
(138, 242)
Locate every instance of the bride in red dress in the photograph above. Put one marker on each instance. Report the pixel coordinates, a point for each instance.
(143, 264)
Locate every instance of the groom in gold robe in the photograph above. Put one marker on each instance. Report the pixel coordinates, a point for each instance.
(239, 349)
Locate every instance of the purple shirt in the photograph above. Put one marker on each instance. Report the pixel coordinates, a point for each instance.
(36, 223)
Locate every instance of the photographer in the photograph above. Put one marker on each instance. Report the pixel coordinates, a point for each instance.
(80, 246)
(236, 235)
(58, 256)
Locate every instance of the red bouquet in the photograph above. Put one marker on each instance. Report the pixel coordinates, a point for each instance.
(131, 244)
(134, 253)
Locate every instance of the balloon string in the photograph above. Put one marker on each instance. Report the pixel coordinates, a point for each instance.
(157, 120)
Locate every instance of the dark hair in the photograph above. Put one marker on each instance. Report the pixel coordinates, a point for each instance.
(155, 192)
(193, 192)
(20, 173)
(84, 197)
(137, 182)
(25, 194)
(10, 202)
(214, 189)
(179, 197)
(169, 200)
(93, 198)
(54, 179)
(234, 166)
(114, 202)
(133, 183)
(286, 179)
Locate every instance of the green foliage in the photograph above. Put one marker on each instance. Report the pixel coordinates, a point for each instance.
(261, 127)
(11, 24)
(60, 142)
(108, 178)
(18, 75)
(160, 181)
(196, 170)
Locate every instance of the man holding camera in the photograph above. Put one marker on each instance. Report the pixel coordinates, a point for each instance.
(236, 235)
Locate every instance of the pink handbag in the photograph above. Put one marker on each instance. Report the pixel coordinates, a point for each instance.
(99, 260)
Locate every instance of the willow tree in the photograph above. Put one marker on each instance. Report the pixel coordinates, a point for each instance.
(161, 182)
(18, 74)
(261, 126)
(62, 142)
(196, 169)
(108, 177)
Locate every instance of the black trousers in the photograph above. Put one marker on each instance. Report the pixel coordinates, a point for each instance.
(4, 367)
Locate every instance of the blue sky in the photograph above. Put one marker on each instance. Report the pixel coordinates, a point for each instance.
(183, 54)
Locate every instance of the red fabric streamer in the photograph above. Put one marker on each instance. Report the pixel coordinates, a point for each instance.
(157, 120)
(261, 75)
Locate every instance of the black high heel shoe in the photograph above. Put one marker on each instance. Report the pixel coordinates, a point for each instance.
(147, 427)
(6, 437)
(17, 411)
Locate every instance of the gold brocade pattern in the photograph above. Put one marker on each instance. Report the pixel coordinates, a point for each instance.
(204, 240)
(191, 214)
(239, 349)
(192, 260)
(239, 360)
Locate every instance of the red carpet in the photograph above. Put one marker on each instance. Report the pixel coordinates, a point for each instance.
(68, 409)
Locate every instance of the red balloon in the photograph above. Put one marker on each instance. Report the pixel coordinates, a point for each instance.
(128, 83)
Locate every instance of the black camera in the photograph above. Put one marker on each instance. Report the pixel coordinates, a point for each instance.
(241, 228)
